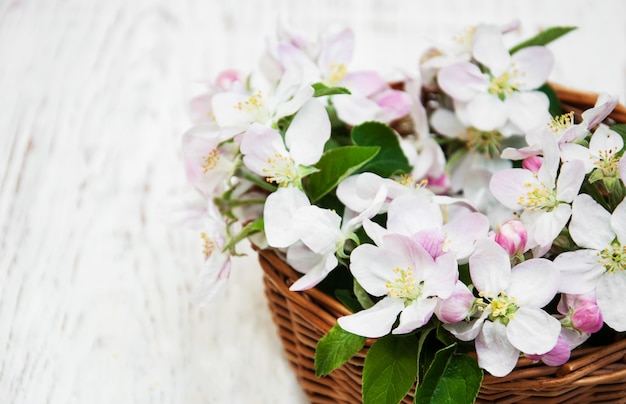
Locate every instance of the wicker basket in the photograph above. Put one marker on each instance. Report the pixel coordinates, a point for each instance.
(593, 375)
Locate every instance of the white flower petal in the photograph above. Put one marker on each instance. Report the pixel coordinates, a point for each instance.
(354, 109)
(371, 267)
(308, 132)
(258, 145)
(534, 282)
(446, 123)
(318, 228)
(409, 214)
(415, 315)
(605, 140)
(535, 63)
(527, 110)
(280, 208)
(495, 353)
(610, 294)
(374, 322)
(544, 227)
(490, 267)
(533, 331)
(590, 226)
(570, 179)
(467, 331)
(580, 271)
(618, 222)
(486, 112)
(574, 151)
(463, 231)
(489, 49)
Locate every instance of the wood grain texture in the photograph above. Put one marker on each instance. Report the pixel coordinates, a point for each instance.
(94, 279)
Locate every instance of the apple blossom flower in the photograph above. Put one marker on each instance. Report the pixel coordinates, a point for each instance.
(564, 129)
(279, 212)
(600, 264)
(543, 198)
(512, 319)
(504, 95)
(209, 161)
(237, 111)
(286, 162)
(457, 307)
(409, 280)
(217, 265)
(557, 356)
(602, 153)
(200, 107)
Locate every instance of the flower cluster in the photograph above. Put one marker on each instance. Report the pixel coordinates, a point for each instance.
(462, 197)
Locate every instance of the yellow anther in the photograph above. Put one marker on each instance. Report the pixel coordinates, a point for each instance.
(210, 161)
(561, 122)
(208, 245)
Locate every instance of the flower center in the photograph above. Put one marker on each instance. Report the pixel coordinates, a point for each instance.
(208, 245)
(613, 258)
(504, 84)
(255, 102)
(337, 73)
(281, 170)
(608, 162)
(538, 197)
(465, 38)
(484, 142)
(561, 123)
(210, 161)
(501, 308)
(404, 286)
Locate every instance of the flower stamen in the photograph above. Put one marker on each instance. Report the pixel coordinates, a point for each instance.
(208, 245)
(210, 161)
(404, 286)
(281, 170)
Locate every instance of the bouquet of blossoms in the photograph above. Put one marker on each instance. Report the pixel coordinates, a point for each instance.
(457, 211)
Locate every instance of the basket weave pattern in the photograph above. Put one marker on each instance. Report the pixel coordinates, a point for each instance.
(593, 375)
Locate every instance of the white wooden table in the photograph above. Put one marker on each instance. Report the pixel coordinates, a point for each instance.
(94, 279)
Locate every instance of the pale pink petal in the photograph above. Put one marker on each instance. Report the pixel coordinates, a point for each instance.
(462, 81)
(287, 101)
(591, 223)
(308, 132)
(260, 143)
(490, 268)
(395, 104)
(603, 107)
(375, 231)
(415, 315)
(610, 295)
(457, 306)
(374, 322)
(440, 281)
(432, 241)
(365, 83)
(337, 49)
(315, 274)
(580, 271)
(533, 331)
(467, 331)
(209, 285)
(463, 231)
(495, 353)
(507, 186)
(534, 282)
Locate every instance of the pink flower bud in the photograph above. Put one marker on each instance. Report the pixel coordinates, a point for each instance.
(587, 317)
(512, 236)
(456, 307)
(556, 356)
(532, 163)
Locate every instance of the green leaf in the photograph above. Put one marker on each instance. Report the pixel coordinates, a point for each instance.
(452, 378)
(390, 369)
(362, 296)
(391, 159)
(543, 38)
(335, 348)
(322, 89)
(334, 166)
(347, 299)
